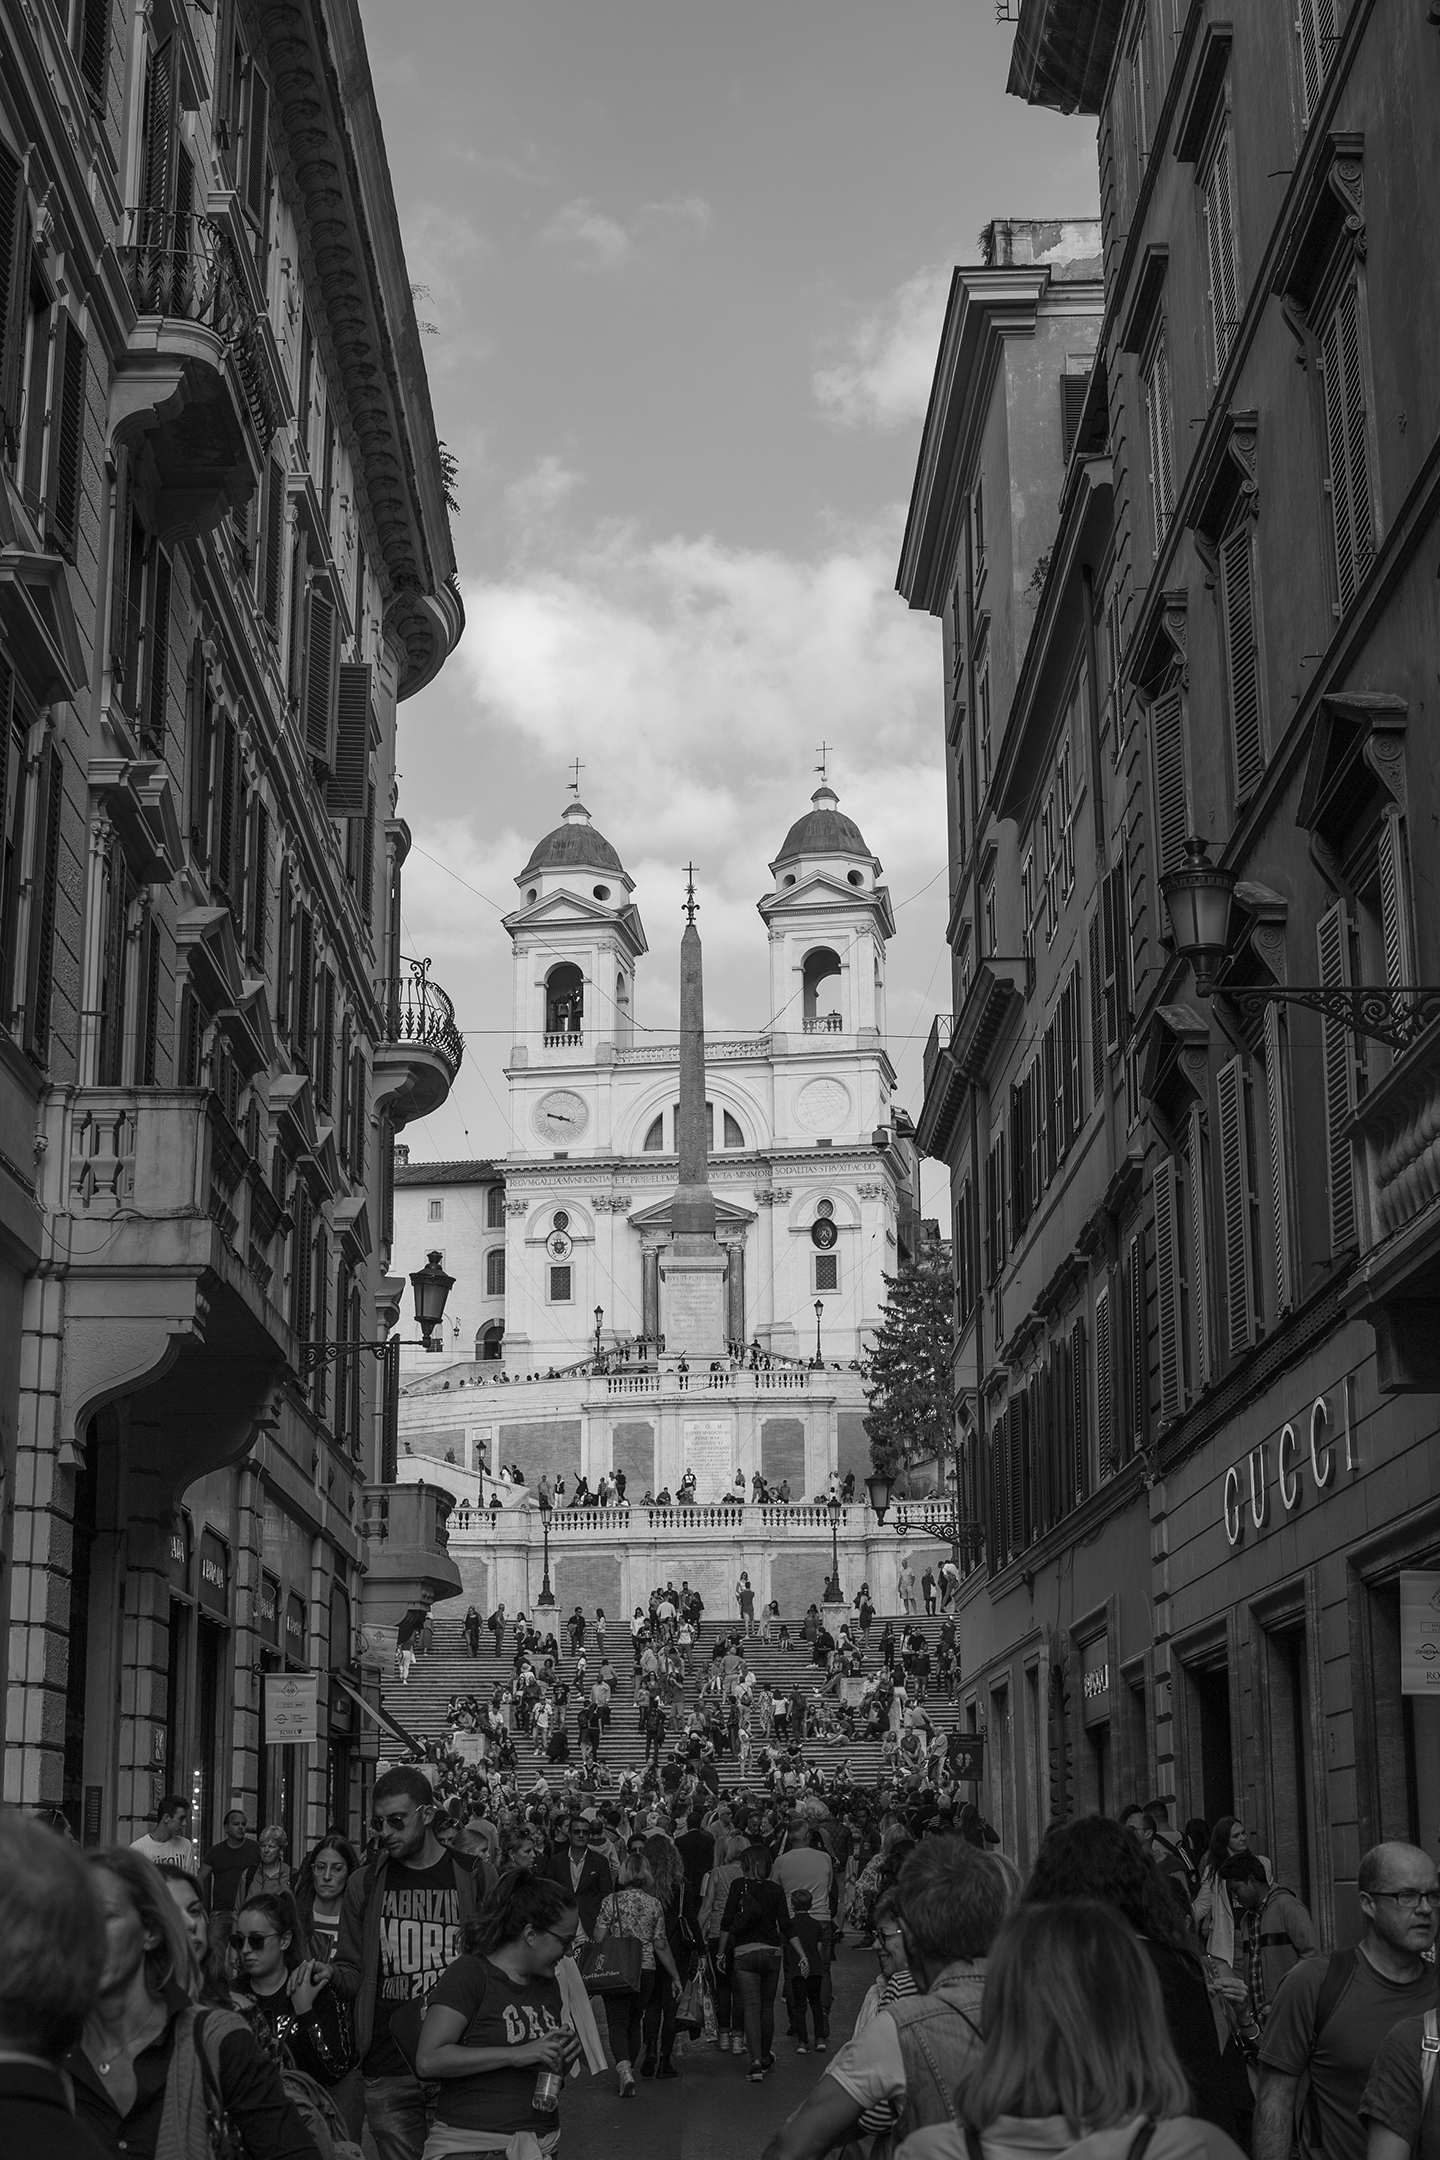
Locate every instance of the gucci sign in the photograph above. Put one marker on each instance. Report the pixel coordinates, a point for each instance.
(1247, 1485)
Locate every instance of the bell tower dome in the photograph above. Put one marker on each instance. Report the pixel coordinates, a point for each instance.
(576, 938)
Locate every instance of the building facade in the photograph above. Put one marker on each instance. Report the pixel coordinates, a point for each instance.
(1266, 619)
(224, 561)
(458, 1210)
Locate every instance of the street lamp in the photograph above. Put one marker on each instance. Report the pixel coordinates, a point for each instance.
(832, 1588)
(431, 1286)
(1198, 896)
(599, 1317)
(819, 1315)
(879, 1487)
(547, 1595)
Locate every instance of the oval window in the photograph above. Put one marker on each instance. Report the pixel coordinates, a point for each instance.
(560, 1219)
(602, 892)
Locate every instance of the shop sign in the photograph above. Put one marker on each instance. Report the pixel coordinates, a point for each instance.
(1246, 1491)
(295, 1626)
(342, 1713)
(1095, 1680)
(291, 1709)
(1419, 1633)
(180, 1555)
(214, 1573)
(267, 1610)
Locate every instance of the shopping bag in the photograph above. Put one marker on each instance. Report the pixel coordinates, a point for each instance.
(610, 1967)
(690, 2010)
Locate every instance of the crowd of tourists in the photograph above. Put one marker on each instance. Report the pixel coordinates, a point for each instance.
(1147, 1991)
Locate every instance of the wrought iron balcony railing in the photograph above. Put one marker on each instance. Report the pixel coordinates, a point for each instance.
(181, 264)
(939, 1039)
(418, 1011)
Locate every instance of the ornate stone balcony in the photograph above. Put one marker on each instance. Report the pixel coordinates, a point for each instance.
(416, 1063)
(410, 1562)
(199, 385)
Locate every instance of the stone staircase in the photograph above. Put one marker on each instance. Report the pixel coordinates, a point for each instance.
(450, 1670)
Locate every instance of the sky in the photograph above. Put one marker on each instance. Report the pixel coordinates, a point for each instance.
(680, 271)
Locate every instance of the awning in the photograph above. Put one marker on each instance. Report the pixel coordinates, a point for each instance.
(378, 1713)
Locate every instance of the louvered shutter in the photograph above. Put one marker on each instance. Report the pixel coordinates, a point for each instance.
(1070, 1009)
(158, 132)
(302, 1259)
(1135, 1351)
(1097, 1003)
(1214, 272)
(1238, 597)
(225, 806)
(1230, 1086)
(1316, 27)
(367, 858)
(1035, 1132)
(1395, 899)
(325, 1059)
(255, 143)
(1110, 933)
(1278, 1105)
(14, 287)
(1172, 817)
(67, 433)
(1195, 1159)
(304, 1017)
(1332, 936)
(320, 678)
(345, 795)
(272, 573)
(1165, 1190)
(1345, 442)
(342, 1138)
(157, 689)
(150, 1012)
(94, 50)
(1079, 1414)
(40, 965)
(1105, 1437)
(259, 888)
(284, 963)
(1072, 407)
(1050, 1079)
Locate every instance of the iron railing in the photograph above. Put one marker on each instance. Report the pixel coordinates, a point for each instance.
(939, 1039)
(182, 264)
(418, 1011)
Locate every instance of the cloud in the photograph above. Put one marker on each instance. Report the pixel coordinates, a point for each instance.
(441, 246)
(605, 243)
(534, 498)
(881, 377)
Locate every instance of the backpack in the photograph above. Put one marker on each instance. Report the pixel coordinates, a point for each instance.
(1429, 2049)
(317, 2111)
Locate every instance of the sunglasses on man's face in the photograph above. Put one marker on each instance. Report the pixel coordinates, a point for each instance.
(390, 1822)
(255, 1942)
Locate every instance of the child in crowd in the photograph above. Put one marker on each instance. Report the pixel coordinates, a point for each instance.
(805, 1990)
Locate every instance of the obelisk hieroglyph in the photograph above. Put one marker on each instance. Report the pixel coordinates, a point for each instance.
(693, 1266)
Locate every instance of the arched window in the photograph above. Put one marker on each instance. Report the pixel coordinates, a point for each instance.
(821, 995)
(489, 1340)
(495, 1208)
(495, 1272)
(709, 1126)
(733, 1135)
(654, 1141)
(564, 1000)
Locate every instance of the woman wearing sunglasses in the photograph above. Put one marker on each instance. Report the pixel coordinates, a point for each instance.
(291, 1995)
(494, 2022)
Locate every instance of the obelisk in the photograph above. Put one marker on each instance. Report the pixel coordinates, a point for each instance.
(693, 1266)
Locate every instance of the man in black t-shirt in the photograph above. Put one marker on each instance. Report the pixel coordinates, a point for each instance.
(230, 1862)
(400, 1926)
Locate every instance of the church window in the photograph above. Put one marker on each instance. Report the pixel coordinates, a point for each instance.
(602, 892)
(827, 1271)
(564, 1000)
(437, 1211)
(654, 1141)
(560, 1286)
(495, 1208)
(820, 993)
(561, 1219)
(734, 1137)
(824, 1209)
(495, 1272)
(854, 877)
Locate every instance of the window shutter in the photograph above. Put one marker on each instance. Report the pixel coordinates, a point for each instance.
(1231, 1083)
(342, 1138)
(1018, 1438)
(1395, 899)
(158, 137)
(1072, 406)
(320, 678)
(1278, 1103)
(303, 1019)
(1238, 599)
(255, 143)
(358, 1120)
(1172, 817)
(1035, 1133)
(320, 1327)
(302, 1261)
(1316, 27)
(1345, 442)
(1051, 1123)
(1079, 1464)
(156, 693)
(150, 1008)
(188, 1069)
(67, 435)
(367, 858)
(345, 795)
(325, 1059)
(14, 287)
(94, 50)
(295, 657)
(1097, 1002)
(283, 959)
(1105, 1437)
(40, 968)
(1195, 1157)
(1070, 1008)
(1164, 1186)
(1332, 936)
(225, 806)
(256, 913)
(274, 545)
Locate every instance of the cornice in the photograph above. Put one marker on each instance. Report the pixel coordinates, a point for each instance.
(335, 178)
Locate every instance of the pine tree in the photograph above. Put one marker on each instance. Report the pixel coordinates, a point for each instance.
(907, 1374)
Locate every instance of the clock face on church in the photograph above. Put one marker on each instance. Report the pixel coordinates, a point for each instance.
(560, 1117)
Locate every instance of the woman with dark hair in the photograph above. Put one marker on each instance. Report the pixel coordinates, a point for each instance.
(494, 2018)
(290, 1996)
(1213, 1916)
(658, 2023)
(1054, 2076)
(319, 1891)
(136, 2072)
(755, 1919)
(1095, 1858)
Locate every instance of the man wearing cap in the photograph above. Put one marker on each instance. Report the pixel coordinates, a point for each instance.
(581, 1871)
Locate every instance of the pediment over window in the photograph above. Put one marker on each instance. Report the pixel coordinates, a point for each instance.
(140, 802)
(1329, 213)
(1160, 653)
(206, 940)
(39, 626)
(1355, 766)
(1227, 478)
(728, 1216)
(1176, 1067)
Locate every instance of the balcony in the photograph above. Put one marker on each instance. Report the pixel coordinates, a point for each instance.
(959, 1050)
(198, 384)
(409, 1560)
(824, 1024)
(420, 1054)
(1396, 1130)
(566, 1039)
(163, 1230)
